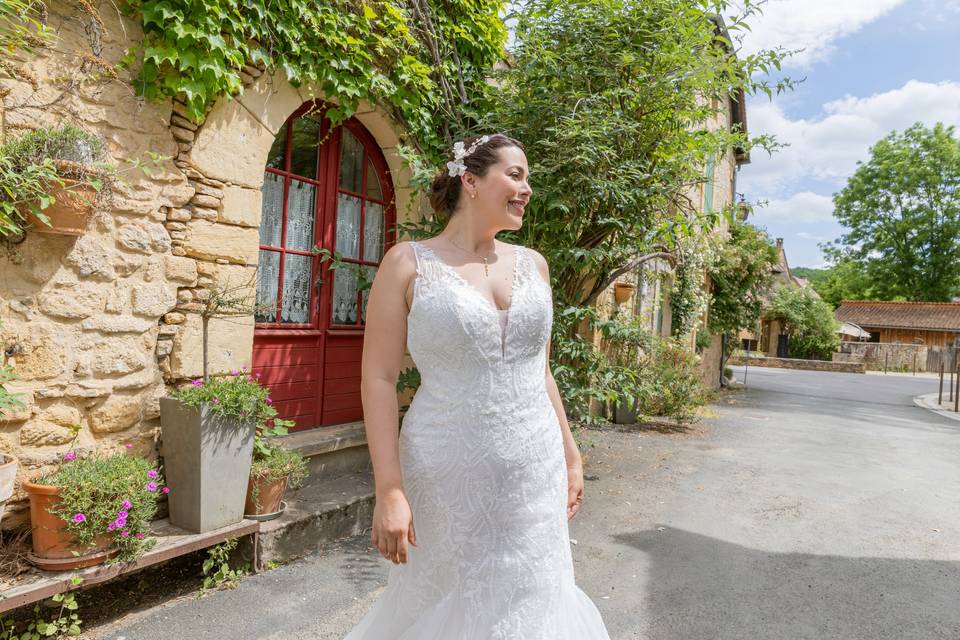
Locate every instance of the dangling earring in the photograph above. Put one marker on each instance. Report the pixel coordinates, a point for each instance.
(473, 195)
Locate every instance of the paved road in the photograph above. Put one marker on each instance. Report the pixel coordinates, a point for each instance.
(809, 506)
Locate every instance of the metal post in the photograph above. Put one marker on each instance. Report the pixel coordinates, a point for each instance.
(956, 395)
(885, 358)
(940, 397)
(746, 365)
(914, 362)
(950, 399)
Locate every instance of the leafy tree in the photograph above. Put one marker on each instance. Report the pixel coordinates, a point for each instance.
(612, 100)
(844, 281)
(741, 276)
(902, 209)
(807, 320)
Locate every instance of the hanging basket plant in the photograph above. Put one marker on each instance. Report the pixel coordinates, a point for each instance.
(52, 179)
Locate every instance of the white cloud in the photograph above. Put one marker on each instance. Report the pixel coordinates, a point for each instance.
(828, 148)
(800, 208)
(811, 25)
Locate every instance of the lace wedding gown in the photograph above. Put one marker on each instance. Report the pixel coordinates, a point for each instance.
(481, 453)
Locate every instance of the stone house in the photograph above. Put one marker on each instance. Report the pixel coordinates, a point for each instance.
(98, 327)
(771, 340)
(653, 280)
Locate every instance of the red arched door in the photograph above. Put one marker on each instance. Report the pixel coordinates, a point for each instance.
(322, 189)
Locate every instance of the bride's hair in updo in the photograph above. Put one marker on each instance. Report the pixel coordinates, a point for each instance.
(445, 193)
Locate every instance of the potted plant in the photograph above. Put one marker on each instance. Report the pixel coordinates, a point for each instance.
(8, 463)
(208, 433)
(208, 428)
(91, 509)
(622, 291)
(8, 479)
(275, 469)
(56, 175)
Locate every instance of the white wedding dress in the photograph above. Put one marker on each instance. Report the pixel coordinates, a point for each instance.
(481, 453)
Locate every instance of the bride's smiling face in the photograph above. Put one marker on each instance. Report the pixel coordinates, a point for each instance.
(502, 194)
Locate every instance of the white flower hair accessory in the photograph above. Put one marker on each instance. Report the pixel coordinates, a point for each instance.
(457, 167)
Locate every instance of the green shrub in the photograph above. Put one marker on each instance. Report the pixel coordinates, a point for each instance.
(239, 395)
(659, 373)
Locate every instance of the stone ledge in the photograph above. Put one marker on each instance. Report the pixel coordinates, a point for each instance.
(795, 363)
(317, 515)
(315, 442)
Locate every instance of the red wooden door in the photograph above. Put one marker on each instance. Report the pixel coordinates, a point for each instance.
(323, 189)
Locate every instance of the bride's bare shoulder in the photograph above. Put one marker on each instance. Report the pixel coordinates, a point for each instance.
(398, 264)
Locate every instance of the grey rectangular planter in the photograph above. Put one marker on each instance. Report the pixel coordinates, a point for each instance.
(206, 463)
(625, 411)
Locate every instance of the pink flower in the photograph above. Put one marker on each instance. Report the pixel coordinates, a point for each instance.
(70, 455)
(151, 486)
(166, 489)
(152, 473)
(79, 517)
(215, 401)
(119, 523)
(111, 526)
(122, 514)
(140, 536)
(197, 383)
(234, 373)
(129, 446)
(257, 375)
(126, 504)
(268, 400)
(125, 534)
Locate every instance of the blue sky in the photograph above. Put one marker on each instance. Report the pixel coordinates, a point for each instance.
(872, 66)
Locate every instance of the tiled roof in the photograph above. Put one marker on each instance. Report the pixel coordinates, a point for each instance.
(937, 316)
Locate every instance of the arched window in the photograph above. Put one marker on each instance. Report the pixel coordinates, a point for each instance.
(321, 188)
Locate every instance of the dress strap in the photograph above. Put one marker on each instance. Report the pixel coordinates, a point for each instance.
(416, 255)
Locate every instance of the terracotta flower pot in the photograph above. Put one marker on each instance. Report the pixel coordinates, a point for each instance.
(68, 215)
(622, 291)
(8, 478)
(54, 548)
(269, 495)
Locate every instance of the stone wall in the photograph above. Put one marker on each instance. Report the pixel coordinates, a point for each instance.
(100, 326)
(795, 363)
(879, 355)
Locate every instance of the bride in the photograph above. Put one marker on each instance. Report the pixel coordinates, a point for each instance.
(474, 493)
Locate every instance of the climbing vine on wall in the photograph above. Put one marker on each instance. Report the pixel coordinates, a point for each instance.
(420, 59)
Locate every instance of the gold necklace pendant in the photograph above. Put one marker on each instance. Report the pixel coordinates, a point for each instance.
(486, 267)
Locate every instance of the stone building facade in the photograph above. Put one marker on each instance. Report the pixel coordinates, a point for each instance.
(99, 327)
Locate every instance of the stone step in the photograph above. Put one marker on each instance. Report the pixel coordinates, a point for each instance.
(322, 511)
(331, 451)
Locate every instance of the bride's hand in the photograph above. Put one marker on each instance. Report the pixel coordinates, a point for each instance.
(574, 488)
(393, 526)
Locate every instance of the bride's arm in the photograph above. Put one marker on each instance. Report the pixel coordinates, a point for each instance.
(570, 449)
(384, 344)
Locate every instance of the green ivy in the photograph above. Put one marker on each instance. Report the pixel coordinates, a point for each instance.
(421, 59)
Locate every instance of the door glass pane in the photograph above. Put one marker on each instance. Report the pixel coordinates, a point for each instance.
(373, 182)
(371, 274)
(295, 306)
(344, 296)
(268, 274)
(271, 209)
(373, 232)
(276, 156)
(351, 162)
(303, 153)
(348, 226)
(300, 215)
